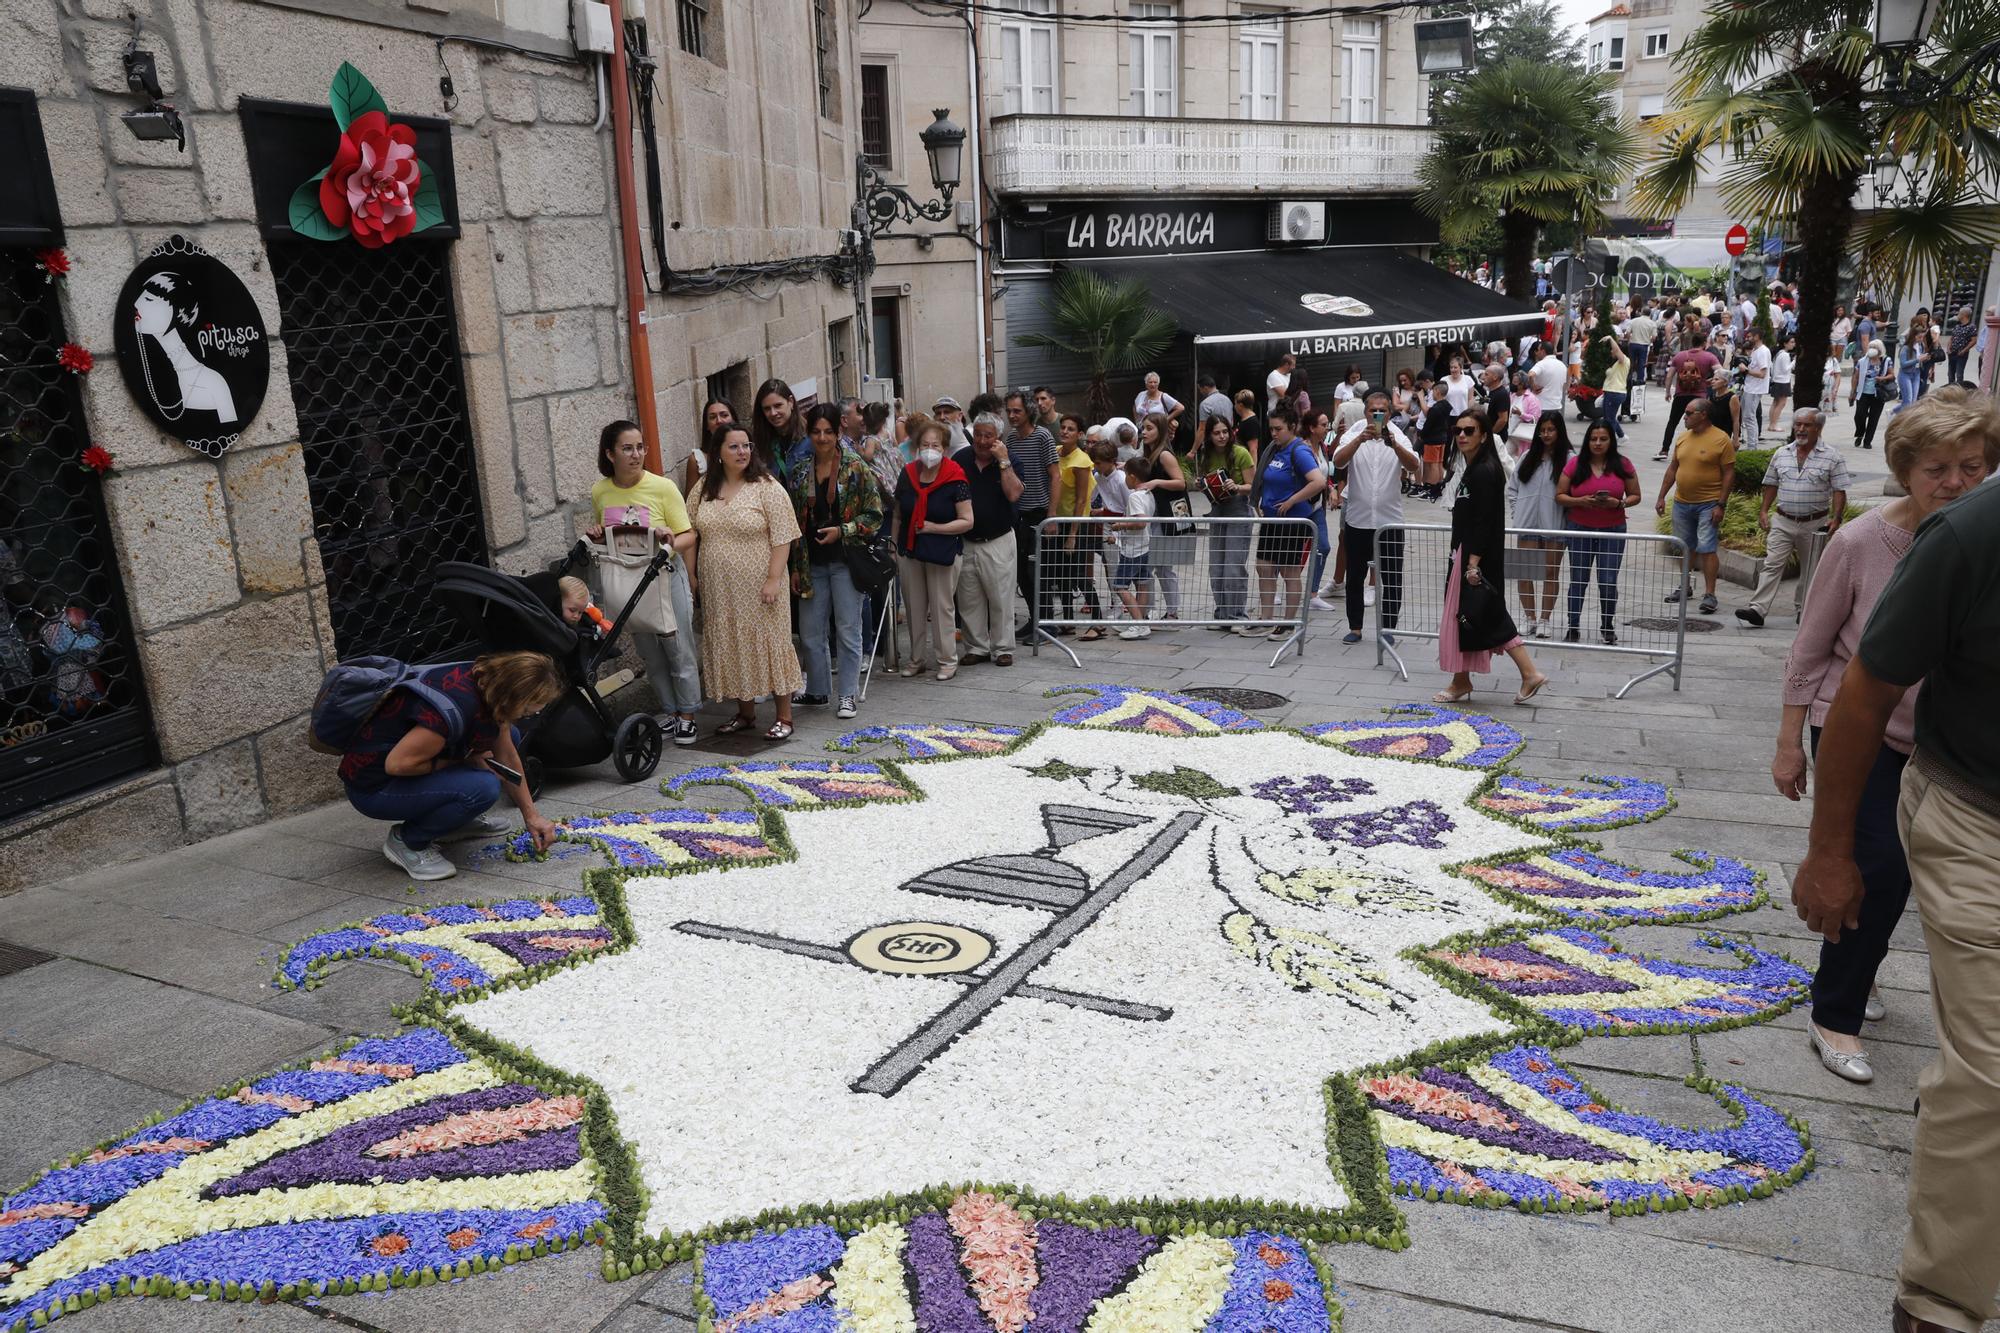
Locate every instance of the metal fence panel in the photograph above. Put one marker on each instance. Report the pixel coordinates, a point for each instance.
(1609, 587)
(1201, 573)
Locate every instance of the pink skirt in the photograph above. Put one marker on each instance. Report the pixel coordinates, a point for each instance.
(1477, 663)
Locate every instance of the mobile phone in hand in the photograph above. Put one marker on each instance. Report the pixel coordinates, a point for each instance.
(507, 774)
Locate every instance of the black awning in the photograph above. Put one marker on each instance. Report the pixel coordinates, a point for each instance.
(1361, 299)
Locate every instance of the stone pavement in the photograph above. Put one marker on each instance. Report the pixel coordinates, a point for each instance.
(159, 991)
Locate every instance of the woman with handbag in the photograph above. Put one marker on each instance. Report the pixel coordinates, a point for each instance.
(933, 514)
(839, 507)
(1475, 621)
(747, 528)
(1173, 543)
(630, 496)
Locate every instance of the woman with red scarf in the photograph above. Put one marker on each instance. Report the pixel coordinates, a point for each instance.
(933, 511)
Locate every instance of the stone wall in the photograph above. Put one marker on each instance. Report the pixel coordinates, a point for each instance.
(217, 556)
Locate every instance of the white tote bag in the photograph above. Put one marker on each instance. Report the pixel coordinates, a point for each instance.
(621, 560)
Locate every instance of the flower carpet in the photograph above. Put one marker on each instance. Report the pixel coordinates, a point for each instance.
(1109, 1023)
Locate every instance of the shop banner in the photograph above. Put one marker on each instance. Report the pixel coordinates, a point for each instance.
(191, 346)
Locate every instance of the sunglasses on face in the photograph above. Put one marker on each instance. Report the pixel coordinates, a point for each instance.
(1468, 430)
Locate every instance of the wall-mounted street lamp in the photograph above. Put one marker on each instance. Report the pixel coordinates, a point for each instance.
(1445, 46)
(882, 205)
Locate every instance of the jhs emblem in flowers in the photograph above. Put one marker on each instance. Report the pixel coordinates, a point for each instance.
(1106, 963)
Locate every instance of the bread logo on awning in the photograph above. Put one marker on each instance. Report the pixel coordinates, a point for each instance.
(1322, 304)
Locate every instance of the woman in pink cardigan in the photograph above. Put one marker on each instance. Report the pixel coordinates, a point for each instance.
(1942, 447)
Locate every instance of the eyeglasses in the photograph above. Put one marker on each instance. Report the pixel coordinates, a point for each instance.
(1468, 430)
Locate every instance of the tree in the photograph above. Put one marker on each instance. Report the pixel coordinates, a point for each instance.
(1530, 142)
(1782, 93)
(1597, 356)
(1765, 329)
(1109, 326)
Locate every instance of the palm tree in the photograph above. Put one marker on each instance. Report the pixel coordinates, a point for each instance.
(1108, 325)
(1782, 94)
(1531, 141)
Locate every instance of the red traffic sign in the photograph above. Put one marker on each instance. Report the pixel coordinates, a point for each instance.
(1737, 239)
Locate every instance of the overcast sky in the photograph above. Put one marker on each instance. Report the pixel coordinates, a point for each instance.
(1576, 11)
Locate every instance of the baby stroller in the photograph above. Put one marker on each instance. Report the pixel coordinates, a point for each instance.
(507, 613)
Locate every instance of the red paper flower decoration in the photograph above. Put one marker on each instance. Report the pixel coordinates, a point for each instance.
(96, 458)
(54, 264)
(371, 187)
(77, 360)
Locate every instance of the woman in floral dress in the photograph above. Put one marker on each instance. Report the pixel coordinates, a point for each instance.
(746, 526)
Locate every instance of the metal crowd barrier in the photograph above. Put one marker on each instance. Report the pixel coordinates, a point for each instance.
(1201, 574)
(1644, 569)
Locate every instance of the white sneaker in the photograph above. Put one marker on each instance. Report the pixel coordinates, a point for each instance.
(1541, 629)
(1135, 632)
(1368, 596)
(1321, 604)
(426, 863)
(848, 708)
(488, 825)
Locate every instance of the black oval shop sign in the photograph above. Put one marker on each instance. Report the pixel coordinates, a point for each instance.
(191, 346)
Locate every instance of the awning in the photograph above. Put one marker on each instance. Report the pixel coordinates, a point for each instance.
(1318, 302)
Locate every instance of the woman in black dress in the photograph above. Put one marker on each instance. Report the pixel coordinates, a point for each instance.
(1475, 621)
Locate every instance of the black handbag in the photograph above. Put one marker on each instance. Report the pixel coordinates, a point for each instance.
(1483, 622)
(871, 561)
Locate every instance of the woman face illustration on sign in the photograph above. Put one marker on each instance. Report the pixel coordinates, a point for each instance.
(164, 308)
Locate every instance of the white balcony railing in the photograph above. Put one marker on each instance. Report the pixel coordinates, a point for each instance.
(1145, 155)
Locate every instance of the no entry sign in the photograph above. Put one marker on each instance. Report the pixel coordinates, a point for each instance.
(1737, 239)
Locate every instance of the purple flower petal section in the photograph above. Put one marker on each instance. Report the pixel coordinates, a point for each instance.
(340, 1156)
(1079, 1268)
(519, 945)
(740, 1272)
(1263, 1297)
(943, 1304)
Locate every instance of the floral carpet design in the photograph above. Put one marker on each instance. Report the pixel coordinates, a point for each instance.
(1028, 955)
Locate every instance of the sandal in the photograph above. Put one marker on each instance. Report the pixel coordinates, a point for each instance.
(778, 731)
(735, 724)
(1530, 691)
(1091, 635)
(1448, 697)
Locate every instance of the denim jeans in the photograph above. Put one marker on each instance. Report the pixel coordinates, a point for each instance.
(673, 661)
(1910, 386)
(1605, 548)
(1228, 565)
(1611, 405)
(831, 619)
(432, 805)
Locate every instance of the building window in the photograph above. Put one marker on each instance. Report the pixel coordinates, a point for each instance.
(693, 16)
(885, 339)
(823, 55)
(1652, 104)
(875, 116)
(1595, 58)
(839, 361)
(1155, 61)
(1656, 44)
(1360, 70)
(1616, 54)
(1028, 61)
(1260, 57)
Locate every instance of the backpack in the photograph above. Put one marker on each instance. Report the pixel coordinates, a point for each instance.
(355, 689)
(1688, 377)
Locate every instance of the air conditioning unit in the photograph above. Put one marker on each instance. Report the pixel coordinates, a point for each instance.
(1296, 220)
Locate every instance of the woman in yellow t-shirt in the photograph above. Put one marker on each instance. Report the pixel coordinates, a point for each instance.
(630, 495)
(1069, 566)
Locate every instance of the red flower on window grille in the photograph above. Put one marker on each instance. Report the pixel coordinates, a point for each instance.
(96, 458)
(54, 264)
(77, 360)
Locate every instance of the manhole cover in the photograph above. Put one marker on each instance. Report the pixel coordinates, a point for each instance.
(1663, 625)
(19, 958)
(1231, 697)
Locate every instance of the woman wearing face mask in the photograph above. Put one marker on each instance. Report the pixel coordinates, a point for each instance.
(1941, 448)
(715, 414)
(777, 428)
(1874, 381)
(933, 512)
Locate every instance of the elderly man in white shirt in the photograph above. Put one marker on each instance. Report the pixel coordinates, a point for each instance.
(1376, 454)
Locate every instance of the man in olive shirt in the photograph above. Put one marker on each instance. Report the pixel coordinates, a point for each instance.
(1937, 621)
(1700, 476)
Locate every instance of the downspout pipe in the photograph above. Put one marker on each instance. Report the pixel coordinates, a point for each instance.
(636, 341)
(982, 289)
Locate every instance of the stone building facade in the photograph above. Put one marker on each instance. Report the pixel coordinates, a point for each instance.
(232, 568)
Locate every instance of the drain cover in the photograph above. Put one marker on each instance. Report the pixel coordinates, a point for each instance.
(19, 958)
(1663, 625)
(1231, 697)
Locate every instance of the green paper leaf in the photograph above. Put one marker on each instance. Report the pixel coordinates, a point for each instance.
(430, 208)
(352, 96)
(308, 219)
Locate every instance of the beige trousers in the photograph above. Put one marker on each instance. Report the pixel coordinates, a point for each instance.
(930, 594)
(986, 594)
(1786, 537)
(1951, 1260)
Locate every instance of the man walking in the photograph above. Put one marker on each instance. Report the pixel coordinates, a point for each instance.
(987, 571)
(1806, 482)
(1689, 373)
(1700, 475)
(1756, 385)
(1640, 331)
(1962, 335)
(1376, 455)
(1033, 451)
(1938, 622)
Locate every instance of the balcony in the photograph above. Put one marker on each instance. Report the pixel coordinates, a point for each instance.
(1135, 155)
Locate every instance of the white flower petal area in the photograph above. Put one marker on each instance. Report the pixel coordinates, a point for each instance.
(1157, 1015)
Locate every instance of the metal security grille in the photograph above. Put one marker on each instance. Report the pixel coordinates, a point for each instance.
(822, 21)
(693, 15)
(72, 710)
(875, 116)
(372, 344)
